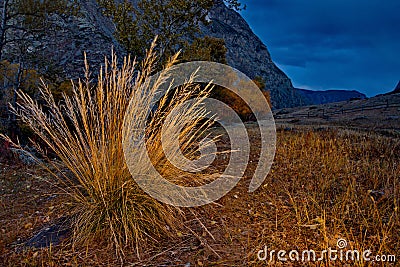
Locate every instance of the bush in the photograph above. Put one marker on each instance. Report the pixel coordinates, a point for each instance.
(85, 131)
(237, 103)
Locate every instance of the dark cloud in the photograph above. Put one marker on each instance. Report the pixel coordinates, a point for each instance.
(328, 44)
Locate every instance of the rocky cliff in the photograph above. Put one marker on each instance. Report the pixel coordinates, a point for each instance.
(247, 53)
(92, 32)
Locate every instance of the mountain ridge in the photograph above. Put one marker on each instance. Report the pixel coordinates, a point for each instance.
(329, 96)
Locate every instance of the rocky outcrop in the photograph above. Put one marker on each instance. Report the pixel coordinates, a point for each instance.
(247, 53)
(67, 38)
(92, 32)
(329, 96)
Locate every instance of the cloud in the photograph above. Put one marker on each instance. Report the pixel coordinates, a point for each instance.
(315, 40)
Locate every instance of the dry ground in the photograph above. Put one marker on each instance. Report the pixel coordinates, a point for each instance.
(324, 185)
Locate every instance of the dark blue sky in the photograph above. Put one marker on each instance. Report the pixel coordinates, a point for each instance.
(331, 44)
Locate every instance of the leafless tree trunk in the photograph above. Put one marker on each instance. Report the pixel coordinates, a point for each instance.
(3, 27)
(17, 85)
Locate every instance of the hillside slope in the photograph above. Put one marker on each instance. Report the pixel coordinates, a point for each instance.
(376, 113)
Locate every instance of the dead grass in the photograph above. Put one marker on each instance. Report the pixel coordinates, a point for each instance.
(85, 132)
(324, 185)
(336, 185)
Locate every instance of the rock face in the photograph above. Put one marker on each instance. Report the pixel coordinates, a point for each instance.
(329, 96)
(92, 32)
(247, 53)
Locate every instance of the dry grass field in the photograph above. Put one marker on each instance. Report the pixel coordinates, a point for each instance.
(325, 184)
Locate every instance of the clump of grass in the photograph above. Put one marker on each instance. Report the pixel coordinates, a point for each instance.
(85, 133)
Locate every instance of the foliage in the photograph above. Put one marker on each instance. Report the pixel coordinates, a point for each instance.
(236, 103)
(205, 49)
(260, 82)
(14, 77)
(171, 20)
(29, 82)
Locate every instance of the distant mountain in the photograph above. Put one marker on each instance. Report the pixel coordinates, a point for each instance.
(379, 113)
(329, 96)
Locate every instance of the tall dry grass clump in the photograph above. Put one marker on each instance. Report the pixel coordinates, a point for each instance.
(85, 133)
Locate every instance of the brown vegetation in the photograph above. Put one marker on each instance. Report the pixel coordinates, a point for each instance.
(324, 185)
(85, 132)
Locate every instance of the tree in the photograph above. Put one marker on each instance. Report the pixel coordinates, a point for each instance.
(173, 21)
